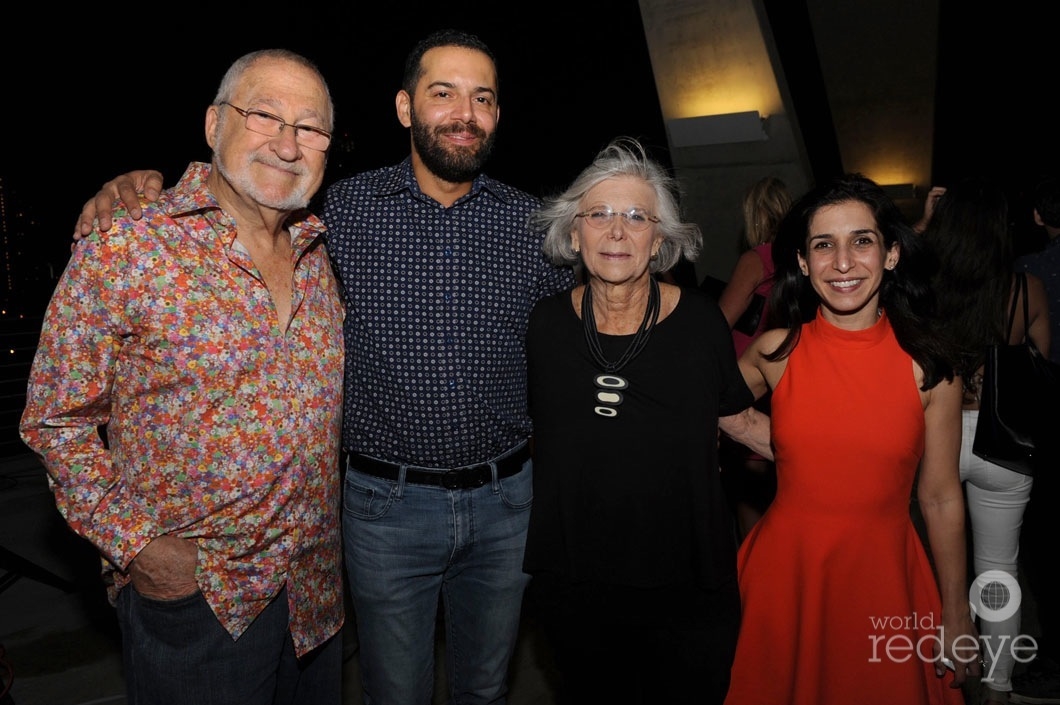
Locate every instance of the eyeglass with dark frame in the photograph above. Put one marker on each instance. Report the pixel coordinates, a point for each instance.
(601, 217)
(271, 125)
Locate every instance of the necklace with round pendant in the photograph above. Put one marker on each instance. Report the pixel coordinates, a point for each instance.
(609, 384)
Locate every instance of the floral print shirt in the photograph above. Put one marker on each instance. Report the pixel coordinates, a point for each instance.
(166, 398)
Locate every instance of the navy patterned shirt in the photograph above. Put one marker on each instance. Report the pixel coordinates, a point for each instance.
(1045, 264)
(437, 305)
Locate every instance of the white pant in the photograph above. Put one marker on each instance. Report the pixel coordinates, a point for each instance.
(996, 498)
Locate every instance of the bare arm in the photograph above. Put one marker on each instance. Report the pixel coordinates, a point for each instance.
(751, 428)
(941, 501)
(933, 197)
(736, 296)
(1038, 316)
(125, 188)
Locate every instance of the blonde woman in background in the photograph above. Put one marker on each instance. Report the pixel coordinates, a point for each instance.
(750, 480)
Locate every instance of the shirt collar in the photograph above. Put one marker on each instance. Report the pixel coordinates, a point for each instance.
(402, 178)
(192, 195)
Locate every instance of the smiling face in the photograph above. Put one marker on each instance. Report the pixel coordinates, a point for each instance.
(845, 259)
(616, 253)
(453, 113)
(272, 171)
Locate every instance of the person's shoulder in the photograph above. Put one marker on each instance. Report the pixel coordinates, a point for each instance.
(769, 340)
(1024, 262)
(764, 252)
(546, 309)
(129, 238)
(509, 193)
(370, 179)
(553, 299)
(1035, 285)
(1047, 255)
(368, 176)
(697, 297)
(712, 286)
(755, 258)
(701, 304)
(765, 343)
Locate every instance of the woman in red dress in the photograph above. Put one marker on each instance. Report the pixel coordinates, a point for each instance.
(840, 601)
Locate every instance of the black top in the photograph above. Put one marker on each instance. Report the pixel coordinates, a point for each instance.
(1046, 266)
(634, 499)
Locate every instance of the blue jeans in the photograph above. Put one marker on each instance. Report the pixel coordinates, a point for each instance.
(405, 546)
(176, 652)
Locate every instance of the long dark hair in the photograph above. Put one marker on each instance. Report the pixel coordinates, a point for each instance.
(905, 293)
(969, 234)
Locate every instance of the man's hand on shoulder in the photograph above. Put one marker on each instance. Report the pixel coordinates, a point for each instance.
(127, 189)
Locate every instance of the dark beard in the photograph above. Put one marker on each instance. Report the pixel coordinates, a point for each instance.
(455, 166)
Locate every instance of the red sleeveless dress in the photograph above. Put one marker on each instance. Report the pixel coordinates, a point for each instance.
(840, 604)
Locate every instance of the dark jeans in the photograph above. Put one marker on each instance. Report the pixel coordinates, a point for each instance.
(176, 652)
(409, 545)
(616, 644)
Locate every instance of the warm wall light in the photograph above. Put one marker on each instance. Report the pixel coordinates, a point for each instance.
(899, 192)
(717, 129)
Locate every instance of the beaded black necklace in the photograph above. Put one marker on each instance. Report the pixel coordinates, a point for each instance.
(610, 384)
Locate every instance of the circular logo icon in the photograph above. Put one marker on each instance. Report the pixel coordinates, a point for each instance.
(994, 596)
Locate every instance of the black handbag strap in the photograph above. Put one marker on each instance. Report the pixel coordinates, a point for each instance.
(1021, 290)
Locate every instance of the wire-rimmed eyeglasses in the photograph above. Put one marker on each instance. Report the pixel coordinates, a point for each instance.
(601, 217)
(271, 125)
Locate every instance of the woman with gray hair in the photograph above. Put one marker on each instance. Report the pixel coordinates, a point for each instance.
(629, 533)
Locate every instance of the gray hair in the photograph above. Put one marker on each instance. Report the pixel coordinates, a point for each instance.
(624, 156)
(235, 72)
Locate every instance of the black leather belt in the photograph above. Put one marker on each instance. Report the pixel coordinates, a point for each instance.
(465, 478)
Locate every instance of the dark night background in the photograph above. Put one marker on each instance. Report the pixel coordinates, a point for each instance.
(102, 102)
(103, 89)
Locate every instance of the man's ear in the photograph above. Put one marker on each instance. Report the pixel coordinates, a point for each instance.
(213, 119)
(403, 105)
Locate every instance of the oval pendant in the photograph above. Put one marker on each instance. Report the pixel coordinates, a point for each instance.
(606, 381)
